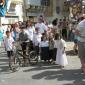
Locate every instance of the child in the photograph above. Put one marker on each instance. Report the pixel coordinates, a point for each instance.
(9, 43)
(44, 48)
(36, 40)
(51, 47)
(61, 58)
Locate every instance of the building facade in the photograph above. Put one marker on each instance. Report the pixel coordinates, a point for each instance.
(14, 12)
(57, 9)
(34, 8)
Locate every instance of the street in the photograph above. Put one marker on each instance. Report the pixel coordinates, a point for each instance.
(43, 74)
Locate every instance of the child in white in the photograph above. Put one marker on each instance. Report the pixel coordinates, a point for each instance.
(9, 44)
(61, 58)
(36, 40)
(44, 48)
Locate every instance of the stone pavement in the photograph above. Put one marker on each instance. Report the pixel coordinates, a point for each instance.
(43, 74)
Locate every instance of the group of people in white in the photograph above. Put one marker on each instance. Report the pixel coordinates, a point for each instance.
(43, 39)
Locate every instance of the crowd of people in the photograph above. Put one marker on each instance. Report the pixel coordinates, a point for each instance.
(49, 40)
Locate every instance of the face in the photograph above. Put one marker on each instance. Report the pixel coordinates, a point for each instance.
(29, 23)
(8, 34)
(22, 30)
(44, 38)
(37, 30)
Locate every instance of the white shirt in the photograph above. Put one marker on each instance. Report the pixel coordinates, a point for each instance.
(44, 44)
(56, 43)
(41, 26)
(8, 42)
(30, 32)
(81, 29)
(37, 38)
(59, 44)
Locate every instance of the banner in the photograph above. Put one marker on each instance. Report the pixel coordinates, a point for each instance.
(3, 7)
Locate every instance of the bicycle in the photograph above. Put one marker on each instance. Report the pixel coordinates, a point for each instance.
(31, 55)
(15, 66)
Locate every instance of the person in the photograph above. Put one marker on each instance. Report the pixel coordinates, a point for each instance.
(55, 22)
(9, 27)
(36, 40)
(64, 29)
(80, 32)
(60, 26)
(75, 44)
(51, 47)
(9, 44)
(1, 34)
(44, 48)
(55, 26)
(41, 25)
(23, 37)
(30, 29)
(61, 58)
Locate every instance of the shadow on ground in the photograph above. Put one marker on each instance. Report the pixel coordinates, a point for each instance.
(62, 75)
(47, 73)
(5, 70)
(71, 53)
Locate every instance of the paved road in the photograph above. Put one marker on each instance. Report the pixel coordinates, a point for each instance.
(43, 74)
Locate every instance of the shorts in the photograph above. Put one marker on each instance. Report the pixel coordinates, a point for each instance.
(81, 49)
(9, 53)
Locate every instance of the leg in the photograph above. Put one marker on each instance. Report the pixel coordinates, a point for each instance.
(24, 51)
(9, 57)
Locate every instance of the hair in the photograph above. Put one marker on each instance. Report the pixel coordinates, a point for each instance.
(42, 38)
(54, 22)
(28, 22)
(7, 32)
(57, 35)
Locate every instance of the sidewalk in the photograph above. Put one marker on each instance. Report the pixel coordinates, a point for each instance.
(45, 74)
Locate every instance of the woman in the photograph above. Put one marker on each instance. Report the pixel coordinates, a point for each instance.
(30, 32)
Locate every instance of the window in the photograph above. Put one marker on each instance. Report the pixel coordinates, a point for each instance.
(45, 2)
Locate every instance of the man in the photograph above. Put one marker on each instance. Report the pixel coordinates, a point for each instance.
(80, 31)
(23, 37)
(41, 25)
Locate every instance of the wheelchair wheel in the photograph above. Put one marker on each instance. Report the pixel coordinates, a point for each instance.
(33, 58)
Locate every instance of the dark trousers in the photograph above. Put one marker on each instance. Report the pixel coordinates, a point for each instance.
(51, 54)
(55, 52)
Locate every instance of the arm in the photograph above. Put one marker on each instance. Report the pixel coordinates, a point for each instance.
(77, 32)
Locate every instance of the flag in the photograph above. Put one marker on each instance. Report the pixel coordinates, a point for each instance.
(3, 8)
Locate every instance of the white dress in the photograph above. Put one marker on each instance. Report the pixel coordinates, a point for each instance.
(61, 58)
